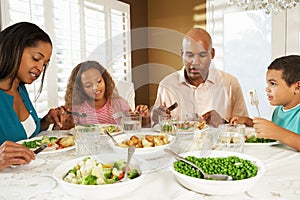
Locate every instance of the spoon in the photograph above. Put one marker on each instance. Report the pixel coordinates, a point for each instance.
(130, 152)
(221, 177)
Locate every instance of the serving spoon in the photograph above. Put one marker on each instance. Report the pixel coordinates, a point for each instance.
(130, 152)
(221, 177)
(112, 138)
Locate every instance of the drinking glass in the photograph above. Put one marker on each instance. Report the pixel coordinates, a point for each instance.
(231, 137)
(131, 122)
(168, 124)
(88, 139)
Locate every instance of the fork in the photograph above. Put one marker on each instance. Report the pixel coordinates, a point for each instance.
(254, 100)
(77, 114)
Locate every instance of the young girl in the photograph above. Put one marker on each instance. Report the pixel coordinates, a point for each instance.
(283, 91)
(90, 90)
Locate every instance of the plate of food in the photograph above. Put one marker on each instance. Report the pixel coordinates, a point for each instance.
(113, 129)
(184, 127)
(55, 144)
(145, 143)
(245, 171)
(251, 139)
(98, 176)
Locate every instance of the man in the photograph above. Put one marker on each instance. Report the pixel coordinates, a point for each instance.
(199, 88)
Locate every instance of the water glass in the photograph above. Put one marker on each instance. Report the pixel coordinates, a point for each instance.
(168, 124)
(231, 137)
(87, 139)
(131, 122)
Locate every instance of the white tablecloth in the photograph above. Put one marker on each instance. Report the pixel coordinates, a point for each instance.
(35, 181)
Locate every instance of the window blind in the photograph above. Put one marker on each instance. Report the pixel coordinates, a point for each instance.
(80, 30)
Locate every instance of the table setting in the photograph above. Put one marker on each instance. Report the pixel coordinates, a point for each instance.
(275, 173)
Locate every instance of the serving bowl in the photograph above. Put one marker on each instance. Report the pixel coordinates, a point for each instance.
(214, 187)
(107, 191)
(144, 150)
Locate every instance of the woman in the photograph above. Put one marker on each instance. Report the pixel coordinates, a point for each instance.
(25, 52)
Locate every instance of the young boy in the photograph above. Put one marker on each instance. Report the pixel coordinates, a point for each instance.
(283, 91)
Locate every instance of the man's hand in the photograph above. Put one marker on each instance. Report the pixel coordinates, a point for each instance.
(213, 118)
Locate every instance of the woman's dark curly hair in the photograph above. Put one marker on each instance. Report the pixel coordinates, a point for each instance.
(75, 94)
(290, 67)
(13, 40)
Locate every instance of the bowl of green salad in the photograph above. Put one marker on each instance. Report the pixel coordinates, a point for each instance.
(98, 176)
(245, 171)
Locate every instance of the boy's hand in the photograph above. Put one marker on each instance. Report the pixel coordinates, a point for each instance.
(265, 128)
(241, 120)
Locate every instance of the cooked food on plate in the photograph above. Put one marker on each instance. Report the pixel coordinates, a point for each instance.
(57, 143)
(110, 128)
(191, 124)
(146, 141)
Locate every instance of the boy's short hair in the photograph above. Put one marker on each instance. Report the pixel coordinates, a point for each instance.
(290, 67)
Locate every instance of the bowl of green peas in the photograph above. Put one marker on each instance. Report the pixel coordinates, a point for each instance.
(245, 171)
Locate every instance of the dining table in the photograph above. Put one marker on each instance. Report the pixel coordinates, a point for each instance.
(35, 181)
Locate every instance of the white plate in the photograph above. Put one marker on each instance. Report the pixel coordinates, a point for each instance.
(48, 150)
(101, 126)
(140, 151)
(250, 131)
(156, 128)
(108, 191)
(118, 131)
(261, 144)
(214, 187)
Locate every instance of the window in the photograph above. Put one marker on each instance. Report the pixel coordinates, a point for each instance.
(247, 41)
(80, 30)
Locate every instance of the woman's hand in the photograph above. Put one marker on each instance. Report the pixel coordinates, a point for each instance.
(12, 153)
(54, 116)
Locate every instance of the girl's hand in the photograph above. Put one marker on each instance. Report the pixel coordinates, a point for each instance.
(142, 110)
(12, 153)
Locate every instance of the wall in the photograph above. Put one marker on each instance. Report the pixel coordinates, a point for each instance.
(177, 17)
(157, 30)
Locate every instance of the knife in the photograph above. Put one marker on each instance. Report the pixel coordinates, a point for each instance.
(41, 148)
(172, 107)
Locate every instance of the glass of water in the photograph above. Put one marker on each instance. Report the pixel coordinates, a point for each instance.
(131, 122)
(232, 137)
(88, 139)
